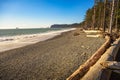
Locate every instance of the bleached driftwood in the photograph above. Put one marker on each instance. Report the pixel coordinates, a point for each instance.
(92, 31)
(111, 65)
(96, 72)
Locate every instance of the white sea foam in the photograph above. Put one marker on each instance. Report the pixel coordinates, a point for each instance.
(12, 42)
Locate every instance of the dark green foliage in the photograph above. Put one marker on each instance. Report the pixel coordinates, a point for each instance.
(88, 17)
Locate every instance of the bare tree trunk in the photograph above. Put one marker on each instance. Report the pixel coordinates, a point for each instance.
(100, 13)
(111, 18)
(94, 14)
(116, 22)
(104, 16)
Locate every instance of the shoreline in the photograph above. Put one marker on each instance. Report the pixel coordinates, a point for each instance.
(53, 59)
(13, 42)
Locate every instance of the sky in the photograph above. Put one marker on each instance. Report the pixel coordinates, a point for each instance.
(41, 13)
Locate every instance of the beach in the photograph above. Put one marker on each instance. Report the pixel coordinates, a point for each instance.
(50, 59)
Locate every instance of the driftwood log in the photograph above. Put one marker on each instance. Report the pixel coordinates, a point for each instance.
(97, 72)
(81, 71)
(111, 65)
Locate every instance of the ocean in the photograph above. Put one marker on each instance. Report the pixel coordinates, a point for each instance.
(15, 32)
(15, 38)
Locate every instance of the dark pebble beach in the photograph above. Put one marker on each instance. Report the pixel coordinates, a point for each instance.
(53, 59)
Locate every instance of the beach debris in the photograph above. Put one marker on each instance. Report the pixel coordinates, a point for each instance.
(76, 33)
(1, 40)
(93, 33)
(84, 53)
(83, 46)
(88, 47)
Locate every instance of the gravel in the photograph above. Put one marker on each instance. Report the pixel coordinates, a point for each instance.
(54, 59)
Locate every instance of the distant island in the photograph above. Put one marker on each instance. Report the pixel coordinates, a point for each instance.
(65, 25)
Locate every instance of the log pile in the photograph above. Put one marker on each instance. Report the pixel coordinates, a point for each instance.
(97, 72)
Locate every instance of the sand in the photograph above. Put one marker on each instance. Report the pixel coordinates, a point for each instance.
(53, 59)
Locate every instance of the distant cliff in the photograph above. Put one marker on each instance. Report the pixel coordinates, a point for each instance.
(65, 25)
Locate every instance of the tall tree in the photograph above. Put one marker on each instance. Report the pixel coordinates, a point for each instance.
(116, 12)
(94, 14)
(104, 16)
(100, 15)
(111, 17)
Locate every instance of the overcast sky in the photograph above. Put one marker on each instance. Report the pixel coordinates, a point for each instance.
(41, 13)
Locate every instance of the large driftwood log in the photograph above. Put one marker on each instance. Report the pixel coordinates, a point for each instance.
(81, 71)
(111, 65)
(97, 72)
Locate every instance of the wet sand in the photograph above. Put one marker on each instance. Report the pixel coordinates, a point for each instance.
(53, 59)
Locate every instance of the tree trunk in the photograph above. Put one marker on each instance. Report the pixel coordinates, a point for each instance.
(104, 16)
(116, 22)
(111, 17)
(94, 14)
(100, 13)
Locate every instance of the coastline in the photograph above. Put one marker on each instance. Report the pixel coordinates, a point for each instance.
(53, 59)
(13, 42)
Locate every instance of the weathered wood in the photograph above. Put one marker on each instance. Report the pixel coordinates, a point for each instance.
(113, 65)
(117, 71)
(96, 72)
(79, 73)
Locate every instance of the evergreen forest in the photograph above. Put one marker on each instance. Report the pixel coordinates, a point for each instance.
(104, 15)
